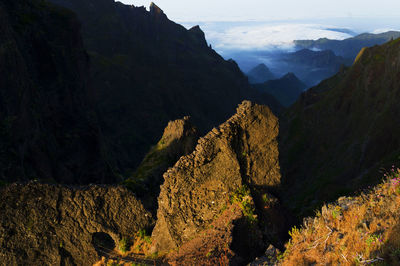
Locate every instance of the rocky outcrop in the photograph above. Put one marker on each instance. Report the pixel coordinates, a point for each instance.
(213, 245)
(179, 139)
(243, 151)
(58, 225)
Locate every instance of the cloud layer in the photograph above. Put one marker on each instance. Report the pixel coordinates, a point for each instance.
(265, 36)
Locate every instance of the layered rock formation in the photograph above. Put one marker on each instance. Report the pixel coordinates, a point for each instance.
(56, 225)
(179, 139)
(241, 152)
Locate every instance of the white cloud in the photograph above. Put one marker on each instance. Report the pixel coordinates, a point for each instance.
(377, 31)
(265, 36)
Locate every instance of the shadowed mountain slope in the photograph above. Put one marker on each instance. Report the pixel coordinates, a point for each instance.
(340, 133)
(47, 127)
(148, 70)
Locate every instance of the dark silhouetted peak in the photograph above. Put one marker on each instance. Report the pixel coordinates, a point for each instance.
(196, 29)
(290, 76)
(199, 35)
(156, 11)
(260, 74)
(260, 67)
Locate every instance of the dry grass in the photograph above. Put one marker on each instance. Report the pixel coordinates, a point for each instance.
(139, 246)
(353, 231)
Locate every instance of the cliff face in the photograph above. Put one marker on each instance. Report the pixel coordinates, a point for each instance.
(56, 225)
(339, 134)
(148, 70)
(179, 139)
(241, 152)
(47, 129)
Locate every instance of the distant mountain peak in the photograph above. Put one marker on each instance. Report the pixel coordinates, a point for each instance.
(261, 66)
(260, 74)
(289, 75)
(196, 29)
(199, 33)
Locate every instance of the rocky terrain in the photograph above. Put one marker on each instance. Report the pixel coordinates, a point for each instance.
(242, 152)
(79, 110)
(59, 225)
(179, 139)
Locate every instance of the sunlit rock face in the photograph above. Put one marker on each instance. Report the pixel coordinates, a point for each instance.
(243, 151)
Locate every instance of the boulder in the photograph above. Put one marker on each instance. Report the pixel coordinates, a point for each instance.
(58, 225)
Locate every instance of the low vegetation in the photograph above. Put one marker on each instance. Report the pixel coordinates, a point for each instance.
(353, 231)
(242, 197)
(131, 251)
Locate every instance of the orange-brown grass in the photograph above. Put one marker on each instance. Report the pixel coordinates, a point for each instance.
(353, 231)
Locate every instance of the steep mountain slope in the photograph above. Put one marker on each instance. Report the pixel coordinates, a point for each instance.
(340, 133)
(350, 47)
(47, 128)
(286, 90)
(148, 70)
(260, 74)
(362, 230)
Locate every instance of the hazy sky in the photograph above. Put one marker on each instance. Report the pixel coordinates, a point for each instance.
(235, 10)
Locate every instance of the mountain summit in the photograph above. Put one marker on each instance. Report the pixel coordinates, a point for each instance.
(260, 74)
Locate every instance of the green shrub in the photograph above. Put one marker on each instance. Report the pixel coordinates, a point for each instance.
(243, 198)
(124, 245)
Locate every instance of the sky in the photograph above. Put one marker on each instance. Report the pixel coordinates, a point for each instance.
(266, 10)
(237, 25)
